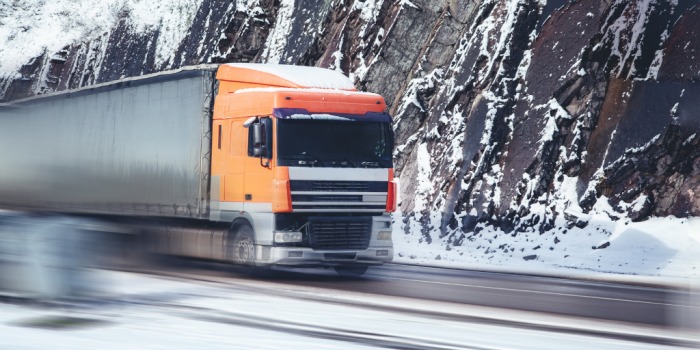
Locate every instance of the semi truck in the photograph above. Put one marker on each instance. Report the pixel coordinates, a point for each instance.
(257, 165)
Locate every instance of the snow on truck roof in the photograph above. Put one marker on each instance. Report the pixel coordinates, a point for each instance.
(285, 76)
(325, 91)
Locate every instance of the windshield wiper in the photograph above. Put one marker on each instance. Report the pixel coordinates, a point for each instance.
(378, 162)
(349, 161)
(317, 159)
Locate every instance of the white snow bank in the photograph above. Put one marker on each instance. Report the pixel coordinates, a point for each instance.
(666, 247)
(310, 77)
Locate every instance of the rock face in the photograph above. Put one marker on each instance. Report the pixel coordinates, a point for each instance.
(507, 112)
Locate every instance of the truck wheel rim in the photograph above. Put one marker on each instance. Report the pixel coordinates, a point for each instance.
(243, 249)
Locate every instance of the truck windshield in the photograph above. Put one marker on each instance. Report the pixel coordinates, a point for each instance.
(333, 140)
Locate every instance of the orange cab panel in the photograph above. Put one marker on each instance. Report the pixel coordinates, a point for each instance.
(239, 74)
(238, 148)
(281, 193)
(235, 164)
(262, 102)
(257, 181)
(233, 186)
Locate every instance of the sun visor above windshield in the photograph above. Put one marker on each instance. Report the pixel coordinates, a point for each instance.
(301, 113)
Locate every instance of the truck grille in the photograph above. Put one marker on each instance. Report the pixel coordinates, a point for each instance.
(339, 207)
(339, 233)
(311, 198)
(338, 186)
(349, 186)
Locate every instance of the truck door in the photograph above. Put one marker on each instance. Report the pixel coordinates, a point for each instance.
(236, 162)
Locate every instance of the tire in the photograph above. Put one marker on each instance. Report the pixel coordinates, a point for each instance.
(242, 251)
(350, 271)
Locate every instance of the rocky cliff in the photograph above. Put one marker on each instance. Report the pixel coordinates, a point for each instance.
(518, 115)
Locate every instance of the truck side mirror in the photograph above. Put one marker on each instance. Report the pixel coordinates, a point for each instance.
(258, 135)
(259, 138)
(259, 151)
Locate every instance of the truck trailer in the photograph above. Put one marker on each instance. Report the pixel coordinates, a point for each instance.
(253, 164)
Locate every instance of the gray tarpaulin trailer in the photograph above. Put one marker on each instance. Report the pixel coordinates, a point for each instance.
(139, 146)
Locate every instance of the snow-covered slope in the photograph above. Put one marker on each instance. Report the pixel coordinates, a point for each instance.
(42, 33)
(517, 118)
(658, 246)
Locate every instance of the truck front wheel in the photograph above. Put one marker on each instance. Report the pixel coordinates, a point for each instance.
(242, 252)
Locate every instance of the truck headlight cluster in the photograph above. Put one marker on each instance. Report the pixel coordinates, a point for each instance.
(287, 237)
(384, 235)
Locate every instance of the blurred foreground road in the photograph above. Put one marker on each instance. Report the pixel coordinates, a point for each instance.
(202, 309)
(616, 302)
(71, 290)
(74, 286)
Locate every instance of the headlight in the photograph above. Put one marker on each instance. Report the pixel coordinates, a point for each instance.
(287, 237)
(384, 235)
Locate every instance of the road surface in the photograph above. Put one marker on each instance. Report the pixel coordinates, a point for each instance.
(607, 301)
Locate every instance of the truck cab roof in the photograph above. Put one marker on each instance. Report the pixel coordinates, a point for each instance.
(280, 75)
(247, 90)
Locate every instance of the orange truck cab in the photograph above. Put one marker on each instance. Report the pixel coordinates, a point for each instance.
(301, 165)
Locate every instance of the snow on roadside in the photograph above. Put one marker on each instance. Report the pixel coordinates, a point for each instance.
(657, 247)
(609, 243)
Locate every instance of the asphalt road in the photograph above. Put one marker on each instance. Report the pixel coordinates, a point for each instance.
(607, 301)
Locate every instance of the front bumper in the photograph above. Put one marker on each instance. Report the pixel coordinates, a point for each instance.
(307, 257)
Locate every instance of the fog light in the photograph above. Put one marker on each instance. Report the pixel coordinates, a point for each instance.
(384, 235)
(296, 254)
(382, 253)
(287, 237)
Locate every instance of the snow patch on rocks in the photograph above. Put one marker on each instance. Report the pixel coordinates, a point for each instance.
(277, 40)
(32, 27)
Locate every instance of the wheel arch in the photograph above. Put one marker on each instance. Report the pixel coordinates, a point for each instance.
(237, 223)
